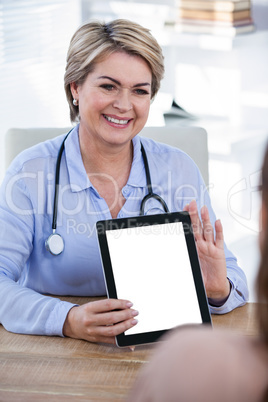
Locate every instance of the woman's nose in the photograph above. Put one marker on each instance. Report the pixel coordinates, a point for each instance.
(123, 100)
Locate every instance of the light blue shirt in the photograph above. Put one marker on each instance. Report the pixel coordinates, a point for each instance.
(28, 271)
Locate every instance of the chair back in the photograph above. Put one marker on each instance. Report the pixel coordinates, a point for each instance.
(192, 140)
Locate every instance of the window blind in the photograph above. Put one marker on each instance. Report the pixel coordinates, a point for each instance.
(34, 38)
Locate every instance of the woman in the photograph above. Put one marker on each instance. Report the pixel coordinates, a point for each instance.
(205, 365)
(113, 72)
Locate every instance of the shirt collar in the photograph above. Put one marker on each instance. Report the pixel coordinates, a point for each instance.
(78, 177)
(137, 176)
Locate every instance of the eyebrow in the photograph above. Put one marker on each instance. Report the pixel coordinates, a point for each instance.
(119, 83)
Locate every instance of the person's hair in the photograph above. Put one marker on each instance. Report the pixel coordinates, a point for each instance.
(262, 277)
(94, 41)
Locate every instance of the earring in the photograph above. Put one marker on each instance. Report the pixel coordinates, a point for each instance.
(75, 102)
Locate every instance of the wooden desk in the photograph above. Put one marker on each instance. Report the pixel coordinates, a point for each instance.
(37, 368)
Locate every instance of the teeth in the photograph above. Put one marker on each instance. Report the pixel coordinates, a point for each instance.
(116, 121)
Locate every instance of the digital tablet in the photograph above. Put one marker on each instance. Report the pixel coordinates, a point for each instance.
(152, 261)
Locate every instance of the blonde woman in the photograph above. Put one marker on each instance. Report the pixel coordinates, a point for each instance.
(113, 73)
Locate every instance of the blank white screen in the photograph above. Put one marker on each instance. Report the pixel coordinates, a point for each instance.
(151, 268)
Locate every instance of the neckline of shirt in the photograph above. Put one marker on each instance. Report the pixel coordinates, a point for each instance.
(79, 180)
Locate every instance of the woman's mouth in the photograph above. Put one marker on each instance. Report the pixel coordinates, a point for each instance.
(113, 120)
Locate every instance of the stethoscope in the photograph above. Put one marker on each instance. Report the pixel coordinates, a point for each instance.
(55, 244)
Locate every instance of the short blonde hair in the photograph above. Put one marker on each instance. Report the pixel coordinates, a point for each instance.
(94, 41)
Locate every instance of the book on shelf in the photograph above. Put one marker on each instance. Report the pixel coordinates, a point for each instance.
(215, 5)
(217, 17)
(218, 28)
(214, 15)
(213, 23)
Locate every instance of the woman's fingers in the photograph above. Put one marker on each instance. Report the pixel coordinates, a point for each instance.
(210, 247)
(203, 228)
(219, 234)
(107, 333)
(108, 312)
(116, 329)
(114, 317)
(208, 231)
(110, 317)
(196, 223)
(101, 306)
(100, 321)
(186, 208)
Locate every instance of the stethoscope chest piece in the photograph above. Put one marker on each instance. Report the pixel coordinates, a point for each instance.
(54, 244)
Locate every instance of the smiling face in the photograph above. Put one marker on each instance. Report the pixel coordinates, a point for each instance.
(114, 100)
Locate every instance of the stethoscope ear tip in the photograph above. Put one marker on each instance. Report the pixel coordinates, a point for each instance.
(55, 244)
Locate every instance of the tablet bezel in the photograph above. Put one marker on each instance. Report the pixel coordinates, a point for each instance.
(102, 226)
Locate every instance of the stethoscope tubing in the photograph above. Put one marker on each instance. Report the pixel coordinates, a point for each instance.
(149, 186)
(57, 183)
(55, 244)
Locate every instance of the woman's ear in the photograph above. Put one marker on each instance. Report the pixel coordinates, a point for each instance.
(74, 89)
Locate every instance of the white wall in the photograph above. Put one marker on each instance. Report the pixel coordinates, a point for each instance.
(34, 38)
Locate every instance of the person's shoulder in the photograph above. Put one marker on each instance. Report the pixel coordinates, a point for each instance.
(37, 154)
(206, 365)
(171, 158)
(171, 153)
(226, 349)
(159, 147)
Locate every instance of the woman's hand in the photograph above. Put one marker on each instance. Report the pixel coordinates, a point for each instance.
(211, 253)
(100, 321)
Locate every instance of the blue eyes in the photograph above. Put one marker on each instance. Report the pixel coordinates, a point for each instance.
(108, 87)
(140, 91)
(111, 88)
